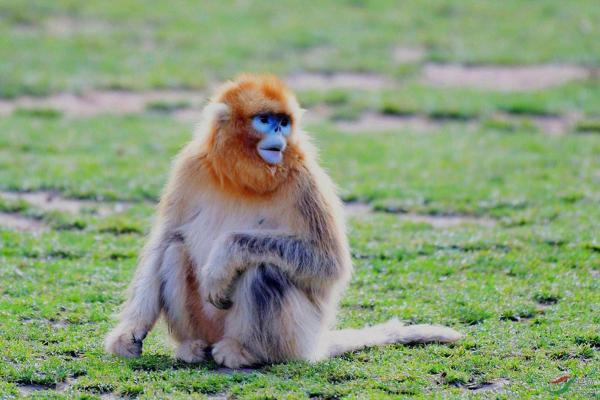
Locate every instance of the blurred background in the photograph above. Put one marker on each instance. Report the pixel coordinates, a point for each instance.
(464, 137)
(75, 45)
(359, 66)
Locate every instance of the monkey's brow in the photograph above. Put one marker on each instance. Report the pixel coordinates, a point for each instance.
(275, 114)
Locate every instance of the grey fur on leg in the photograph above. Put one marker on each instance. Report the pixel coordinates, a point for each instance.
(271, 318)
(142, 307)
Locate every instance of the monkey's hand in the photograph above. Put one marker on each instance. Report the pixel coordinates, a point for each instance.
(218, 276)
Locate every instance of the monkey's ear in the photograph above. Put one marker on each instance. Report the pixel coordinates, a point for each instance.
(295, 108)
(213, 113)
(217, 112)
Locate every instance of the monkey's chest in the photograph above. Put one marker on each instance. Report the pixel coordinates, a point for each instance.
(215, 220)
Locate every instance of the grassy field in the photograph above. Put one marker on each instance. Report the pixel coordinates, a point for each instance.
(73, 44)
(482, 220)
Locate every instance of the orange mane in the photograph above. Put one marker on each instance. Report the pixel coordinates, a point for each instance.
(230, 145)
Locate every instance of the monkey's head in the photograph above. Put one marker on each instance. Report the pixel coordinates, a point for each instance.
(252, 140)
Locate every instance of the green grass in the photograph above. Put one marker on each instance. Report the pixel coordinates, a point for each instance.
(525, 291)
(417, 98)
(591, 126)
(47, 46)
(167, 107)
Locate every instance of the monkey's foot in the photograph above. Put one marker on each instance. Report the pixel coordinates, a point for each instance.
(123, 344)
(191, 351)
(230, 353)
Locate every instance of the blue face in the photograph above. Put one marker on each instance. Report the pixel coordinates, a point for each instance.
(269, 123)
(274, 128)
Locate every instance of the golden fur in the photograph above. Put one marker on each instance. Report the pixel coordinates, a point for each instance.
(247, 257)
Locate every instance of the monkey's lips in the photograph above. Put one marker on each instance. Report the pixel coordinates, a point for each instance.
(271, 156)
(271, 150)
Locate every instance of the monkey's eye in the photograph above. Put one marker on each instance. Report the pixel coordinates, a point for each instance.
(285, 120)
(262, 123)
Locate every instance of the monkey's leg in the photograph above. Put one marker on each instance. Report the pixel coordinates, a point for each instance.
(271, 320)
(141, 308)
(181, 306)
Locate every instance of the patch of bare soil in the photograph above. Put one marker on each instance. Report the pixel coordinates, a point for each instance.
(555, 125)
(58, 324)
(368, 122)
(217, 396)
(64, 25)
(101, 101)
(54, 323)
(188, 115)
(503, 78)
(339, 80)
(316, 114)
(318, 55)
(408, 55)
(446, 221)
(29, 388)
(20, 223)
(358, 209)
(95, 102)
(551, 125)
(64, 386)
(374, 122)
(50, 201)
(495, 385)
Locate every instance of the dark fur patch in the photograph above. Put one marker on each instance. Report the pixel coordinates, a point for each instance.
(247, 242)
(161, 297)
(175, 237)
(164, 305)
(267, 292)
(268, 289)
(301, 254)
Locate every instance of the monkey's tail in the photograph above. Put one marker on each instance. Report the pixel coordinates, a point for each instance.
(392, 331)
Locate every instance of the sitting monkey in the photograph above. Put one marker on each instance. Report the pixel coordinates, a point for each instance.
(248, 253)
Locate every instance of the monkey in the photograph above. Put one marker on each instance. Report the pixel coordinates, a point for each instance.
(248, 254)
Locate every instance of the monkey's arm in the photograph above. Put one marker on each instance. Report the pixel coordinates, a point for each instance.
(142, 307)
(316, 257)
(304, 260)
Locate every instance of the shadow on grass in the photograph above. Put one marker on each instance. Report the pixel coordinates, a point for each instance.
(161, 362)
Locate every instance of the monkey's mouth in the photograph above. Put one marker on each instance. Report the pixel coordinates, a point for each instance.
(271, 149)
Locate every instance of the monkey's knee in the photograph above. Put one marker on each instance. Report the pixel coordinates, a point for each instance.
(258, 302)
(272, 318)
(173, 288)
